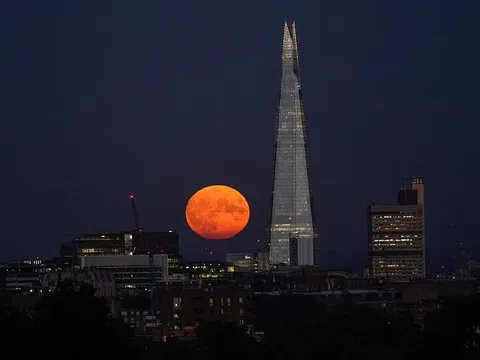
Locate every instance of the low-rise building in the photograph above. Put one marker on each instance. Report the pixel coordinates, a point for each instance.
(248, 262)
(132, 273)
(192, 307)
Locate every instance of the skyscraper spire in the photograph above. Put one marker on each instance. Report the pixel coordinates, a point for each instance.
(292, 235)
(287, 44)
(294, 41)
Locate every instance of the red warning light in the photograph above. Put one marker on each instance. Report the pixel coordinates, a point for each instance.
(132, 196)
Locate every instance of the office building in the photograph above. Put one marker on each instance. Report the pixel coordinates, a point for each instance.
(396, 243)
(123, 243)
(155, 242)
(102, 280)
(131, 273)
(248, 262)
(92, 245)
(21, 276)
(292, 205)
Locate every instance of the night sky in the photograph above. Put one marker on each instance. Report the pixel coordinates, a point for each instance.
(100, 99)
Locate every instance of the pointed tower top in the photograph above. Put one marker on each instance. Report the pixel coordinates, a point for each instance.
(286, 32)
(294, 40)
(287, 44)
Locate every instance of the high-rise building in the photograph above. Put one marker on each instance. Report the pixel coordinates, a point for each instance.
(396, 241)
(291, 214)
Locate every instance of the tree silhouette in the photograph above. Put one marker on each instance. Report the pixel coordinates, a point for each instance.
(226, 339)
(453, 331)
(344, 331)
(73, 322)
(16, 328)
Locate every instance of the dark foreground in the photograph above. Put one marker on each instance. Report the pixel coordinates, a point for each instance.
(74, 324)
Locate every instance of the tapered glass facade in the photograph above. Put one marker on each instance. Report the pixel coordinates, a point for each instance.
(292, 206)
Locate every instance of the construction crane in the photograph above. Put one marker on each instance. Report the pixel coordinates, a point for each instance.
(136, 220)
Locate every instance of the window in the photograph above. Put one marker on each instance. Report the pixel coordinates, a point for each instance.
(240, 311)
(229, 302)
(210, 301)
(240, 300)
(177, 302)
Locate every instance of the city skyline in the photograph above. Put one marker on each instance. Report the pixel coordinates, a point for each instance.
(291, 217)
(99, 109)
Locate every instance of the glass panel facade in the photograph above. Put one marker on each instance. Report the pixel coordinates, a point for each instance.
(291, 212)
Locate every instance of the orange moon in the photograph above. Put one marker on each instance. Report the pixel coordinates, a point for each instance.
(217, 212)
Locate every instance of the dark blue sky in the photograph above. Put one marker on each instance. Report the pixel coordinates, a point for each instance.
(103, 98)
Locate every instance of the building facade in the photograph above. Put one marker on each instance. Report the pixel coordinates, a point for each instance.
(292, 205)
(156, 242)
(132, 273)
(102, 281)
(248, 262)
(20, 276)
(192, 307)
(124, 243)
(396, 243)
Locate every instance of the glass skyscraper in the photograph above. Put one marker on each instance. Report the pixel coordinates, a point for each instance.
(291, 228)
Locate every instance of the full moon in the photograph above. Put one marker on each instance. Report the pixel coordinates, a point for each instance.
(217, 212)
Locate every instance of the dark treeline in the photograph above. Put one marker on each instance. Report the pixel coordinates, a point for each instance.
(72, 323)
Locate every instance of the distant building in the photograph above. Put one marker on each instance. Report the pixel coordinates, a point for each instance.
(200, 270)
(248, 262)
(292, 211)
(190, 307)
(102, 281)
(140, 318)
(94, 245)
(124, 243)
(396, 242)
(22, 276)
(158, 242)
(132, 273)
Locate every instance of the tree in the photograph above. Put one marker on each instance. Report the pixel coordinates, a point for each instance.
(73, 322)
(453, 331)
(16, 328)
(343, 332)
(226, 339)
